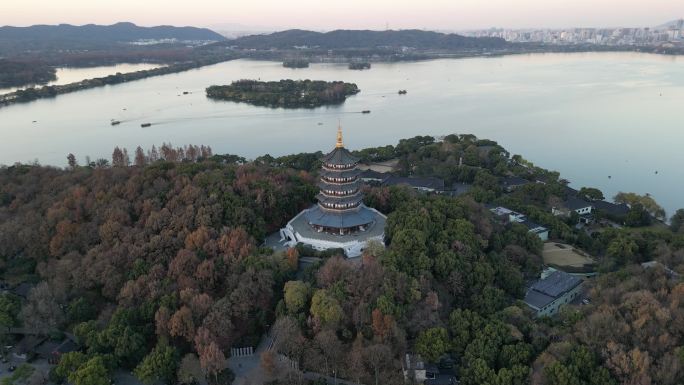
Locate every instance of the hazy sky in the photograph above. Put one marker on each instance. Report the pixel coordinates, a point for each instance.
(332, 14)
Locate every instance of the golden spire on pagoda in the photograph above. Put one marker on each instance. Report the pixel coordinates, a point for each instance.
(339, 144)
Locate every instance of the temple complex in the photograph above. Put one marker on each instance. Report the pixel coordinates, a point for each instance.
(339, 219)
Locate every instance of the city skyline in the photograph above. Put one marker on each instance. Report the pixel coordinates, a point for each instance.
(351, 14)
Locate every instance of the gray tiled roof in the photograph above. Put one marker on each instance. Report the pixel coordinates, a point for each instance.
(514, 181)
(611, 208)
(371, 174)
(301, 226)
(531, 225)
(537, 299)
(574, 203)
(344, 219)
(340, 156)
(534, 226)
(556, 284)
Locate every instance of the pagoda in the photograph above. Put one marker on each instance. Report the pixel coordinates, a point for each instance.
(339, 219)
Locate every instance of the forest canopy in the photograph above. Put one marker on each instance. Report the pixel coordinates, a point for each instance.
(155, 264)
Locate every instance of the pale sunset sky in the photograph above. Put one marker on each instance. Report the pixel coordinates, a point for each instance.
(352, 14)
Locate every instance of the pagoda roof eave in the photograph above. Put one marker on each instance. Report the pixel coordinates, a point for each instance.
(340, 156)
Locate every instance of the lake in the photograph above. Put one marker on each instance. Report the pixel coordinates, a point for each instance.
(587, 115)
(66, 75)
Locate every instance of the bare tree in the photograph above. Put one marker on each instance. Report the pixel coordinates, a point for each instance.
(41, 313)
(140, 159)
(126, 158)
(377, 357)
(117, 157)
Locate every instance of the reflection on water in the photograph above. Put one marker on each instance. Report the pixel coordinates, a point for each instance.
(586, 115)
(71, 75)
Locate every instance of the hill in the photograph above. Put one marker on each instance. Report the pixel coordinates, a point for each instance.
(119, 32)
(365, 39)
(674, 24)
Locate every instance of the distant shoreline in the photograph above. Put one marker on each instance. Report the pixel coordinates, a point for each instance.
(30, 94)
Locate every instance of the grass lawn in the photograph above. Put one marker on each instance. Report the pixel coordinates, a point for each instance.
(566, 256)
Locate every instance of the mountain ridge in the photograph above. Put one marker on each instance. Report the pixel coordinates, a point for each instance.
(118, 32)
(346, 39)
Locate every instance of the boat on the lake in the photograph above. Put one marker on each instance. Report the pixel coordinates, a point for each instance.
(115, 122)
(145, 124)
(403, 92)
(365, 112)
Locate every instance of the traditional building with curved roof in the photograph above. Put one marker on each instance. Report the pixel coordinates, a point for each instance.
(339, 219)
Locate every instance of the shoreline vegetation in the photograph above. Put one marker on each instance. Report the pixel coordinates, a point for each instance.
(30, 94)
(17, 73)
(284, 93)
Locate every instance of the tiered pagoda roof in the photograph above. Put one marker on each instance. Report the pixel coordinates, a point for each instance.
(340, 157)
(340, 201)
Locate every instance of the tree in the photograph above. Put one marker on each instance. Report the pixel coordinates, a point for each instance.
(432, 344)
(159, 365)
(677, 221)
(355, 360)
(648, 203)
(638, 216)
(126, 158)
(621, 250)
(189, 370)
(212, 360)
(41, 312)
(581, 367)
(292, 258)
(140, 159)
(72, 161)
(591, 193)
(93, 372)
(287, 337)
(9, 310)
(118, 158)
(296, 296)
(377, 357)
(69, 363)
(326, 308)
(80, 310)
(329, 347)
(382, 324)
(463, 324)
(181, 324)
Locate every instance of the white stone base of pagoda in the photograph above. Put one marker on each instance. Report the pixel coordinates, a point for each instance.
(352, 244)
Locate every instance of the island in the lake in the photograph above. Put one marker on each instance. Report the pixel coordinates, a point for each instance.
(360, 66)
(285, 93)
(296, 64)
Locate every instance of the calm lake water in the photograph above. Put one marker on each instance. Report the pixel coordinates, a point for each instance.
(68, 75)
(588, 116)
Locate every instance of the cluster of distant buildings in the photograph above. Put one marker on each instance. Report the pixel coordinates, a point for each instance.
(555, 287)
(672, 32)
